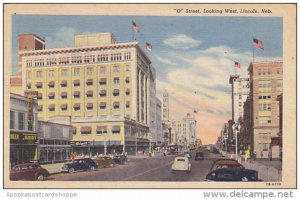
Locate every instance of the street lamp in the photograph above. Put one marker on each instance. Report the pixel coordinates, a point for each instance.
(236, 128)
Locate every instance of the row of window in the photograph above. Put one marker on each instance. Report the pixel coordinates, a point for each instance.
(89, 106)
(100, 130)
(265, 107)
(76, 71)
(269, 84)
(79, 59)
(265, 97)
(89, 94)
(89, 82)
(269, 71)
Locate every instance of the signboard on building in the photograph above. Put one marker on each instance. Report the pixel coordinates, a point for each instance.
(23, 138)
(30, 95)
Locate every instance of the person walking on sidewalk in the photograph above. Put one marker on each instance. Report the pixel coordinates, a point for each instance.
(270, 154)
(73, 156)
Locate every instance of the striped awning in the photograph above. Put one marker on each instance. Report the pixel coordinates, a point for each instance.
(76, 105)
(89, 81)
(64, 94)
(101, 128)
(76, 93)
(52, 83)
(39, 84)
(64, 83)
(115, 128)
(51, 106)
(51, 94)
(86, 129)
(102, 80)
(64, 106)
(90, 92)
(89, 105)
(102, 104)
(40, 96)
(115, 91)
(76, 82)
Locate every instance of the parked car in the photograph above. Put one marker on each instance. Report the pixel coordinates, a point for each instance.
(28, 171)
(181, 164)
(219, 162)
(105, 162)
(188, 154)
(233, 174)
(199, 156)
(82, 164)
(120, 159)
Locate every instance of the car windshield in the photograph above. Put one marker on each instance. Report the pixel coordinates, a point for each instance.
(181, 160)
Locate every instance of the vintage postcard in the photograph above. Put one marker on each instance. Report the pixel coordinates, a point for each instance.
(149, 96)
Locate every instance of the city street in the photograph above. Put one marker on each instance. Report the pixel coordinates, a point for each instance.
(149, 169)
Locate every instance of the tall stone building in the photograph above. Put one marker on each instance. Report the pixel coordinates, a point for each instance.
(265, 86)
(102, 84)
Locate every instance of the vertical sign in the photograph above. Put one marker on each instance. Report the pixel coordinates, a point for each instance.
(30, 95)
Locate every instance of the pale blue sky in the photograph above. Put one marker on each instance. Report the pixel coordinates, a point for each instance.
(188, 54)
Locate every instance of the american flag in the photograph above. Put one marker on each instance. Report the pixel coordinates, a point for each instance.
(135, 27)
(258, 43)
(237, 64)
(149, 46)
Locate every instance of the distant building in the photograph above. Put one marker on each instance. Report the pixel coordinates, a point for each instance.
(159, 127)
(165, 109)
(240, 91)
(183, 131)
(265, 86)
(23, 129)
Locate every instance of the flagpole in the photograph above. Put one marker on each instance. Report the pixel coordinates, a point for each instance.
(132, 32)
(252, 51)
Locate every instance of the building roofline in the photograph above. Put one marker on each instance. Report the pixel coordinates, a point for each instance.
(81, 49)
(34, 36)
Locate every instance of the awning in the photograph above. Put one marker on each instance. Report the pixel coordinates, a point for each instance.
(89, 93)
(51, 84)
(51, 106)
(86, 129)
(102, 92)
(76, 93)
(102, 81)
(89, 105)
(127, 91)
(64, 94)
(116, 91)
(76, 82)
(64, 83)
(116, 104)
(52, 94)
(101, 128)
(115, 128)
(40, 96)
(40, 107)
(76, 105)
(28, 84)
(102, 104)
(39, 84)
(89, 81)
(127, 80)
(64, 106)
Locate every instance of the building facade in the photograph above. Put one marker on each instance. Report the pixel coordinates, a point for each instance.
(103, 85)
(159, 127)
(265, 85)
(54, 141)
(23, 129)
(183, 131)
(240, 91)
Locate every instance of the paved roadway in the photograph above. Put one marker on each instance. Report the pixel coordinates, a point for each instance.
(151, 169)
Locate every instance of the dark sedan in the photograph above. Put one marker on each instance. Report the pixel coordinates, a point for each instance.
(233, 174)
(83, 164)
(28, 171)
(199, 156)
(120, 159)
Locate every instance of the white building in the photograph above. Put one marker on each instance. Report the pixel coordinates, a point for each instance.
(159, 130)
(240, 90)
(183, 131)
(153, 124)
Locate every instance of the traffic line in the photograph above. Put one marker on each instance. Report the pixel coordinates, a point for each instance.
(143, 173)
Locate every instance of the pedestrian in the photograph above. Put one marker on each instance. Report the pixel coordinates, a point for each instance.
(270, 154)
(261, 154)
(73, 156)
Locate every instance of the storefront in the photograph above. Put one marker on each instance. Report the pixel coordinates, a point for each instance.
(23, 147)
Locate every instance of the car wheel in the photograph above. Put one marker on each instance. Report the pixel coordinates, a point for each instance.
(111, 165)
(93, 168)
(71, 170)
(40, 177)
(244, 179)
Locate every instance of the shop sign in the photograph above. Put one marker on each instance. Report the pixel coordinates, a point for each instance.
(80, 143)
(23, 138)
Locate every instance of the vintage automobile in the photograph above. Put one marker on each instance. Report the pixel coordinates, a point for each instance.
(181, 164)
(233, 174)
(199, 156)
(120, 159)
(28, 171)
(223, 161)
(188, 154)
(105, 162)
(82, 164)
